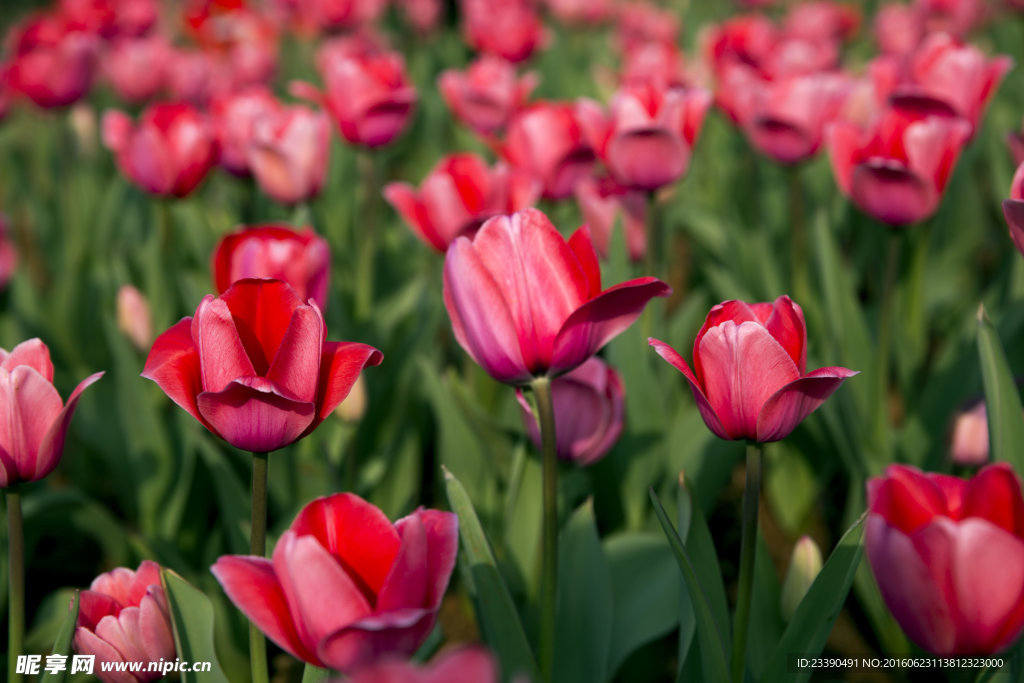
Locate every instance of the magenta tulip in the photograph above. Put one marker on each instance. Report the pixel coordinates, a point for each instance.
(487, 93)
(123, 617)
(346, 587)
(948, 556)
(749, 374)
(287, 152)
(510, 29)
(254, 366)
(137, 67)
(461, 665)
(33, 419)
(1013, 209)
(525, 303)
(53, 63)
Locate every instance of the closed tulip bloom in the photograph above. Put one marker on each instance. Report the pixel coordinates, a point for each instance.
(346, 587)
(458, 195)
(898, 29)
(167, 153)
(749, 374)
(510, 29)
(602, 203)
(52, 64)
(487, 93)
(461, 665)
(254, 366)
(968, 445)
(33, 419)
(1013, 209)
(133, 317)
(948, 556)
(897, 170)
(123, 617)
(287, 152)
(234, 117)
(590, 411)
(137, 67)
(300, 258)
(526, 303)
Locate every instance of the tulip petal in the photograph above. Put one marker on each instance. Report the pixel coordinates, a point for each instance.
(53, 443)
(261, 310)
(907, 498)
(32, 353)
(583, 246)
(251, 584)
(843, 140)
(397, 633)
(122, 632)
(405, 585)
(788, 406)
(32, 405)
(433, 536)
(892, 193)
(296, 365)
(340, 365)
(405, 201)
(994, 494)
(703, 405)
(222, 357)
(251, 414)
(173, 363)
(87, 642)
(155, 628)
(1013, 211)
(465, 665)
(93, 606)
(601, 319)
(786, 324)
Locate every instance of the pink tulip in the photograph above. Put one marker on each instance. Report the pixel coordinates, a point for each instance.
(167, 153)
(602, 202)
(581, 12)
(287, 152)
(821, 20)
(254, 367)
(458, 195)
(955, 17)
(654, 62)
(651, 133)
(896, 171)
(424, 16)
(133, 317)
(589, 407)
(346, 587)
(510, 29)
(750, 376)
(1013, 209)
(137, 67)
(898, 29)
(52, 63)
(552, 142)
(331, 15)
(462, 665)
(33, 419)
(300, 258)
(487, 93)
(525, 303)
(123, 617)
(641, 22)
(234, 119)
(948, 556)
(969, 443)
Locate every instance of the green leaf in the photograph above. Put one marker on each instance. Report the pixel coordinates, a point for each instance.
(1005, 421)
(701, 547)
(810, 627)
(585, 610)
(62, 645)
(192, 622)
(709, 633)
(314, 674)
(495, 610)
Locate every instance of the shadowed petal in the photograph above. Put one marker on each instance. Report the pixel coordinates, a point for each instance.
(53, 443)
(251, 414)
(792, 403)
(296, 365)
(173, 363)
(397, 633)
(706, 411)
(340, 365)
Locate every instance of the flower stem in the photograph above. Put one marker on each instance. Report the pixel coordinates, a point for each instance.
(885, 324)
(549, 575)
(258, 547)
(748, 544)
(16, 590)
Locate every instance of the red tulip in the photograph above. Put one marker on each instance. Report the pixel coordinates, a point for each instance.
(33, 420)
(462, 665)
(821, 20)
(638, 23)
(955, 17)
(750, 376)
(234, 117)
(651, 133)
(300, 258)
(52, 64)
(552, 142)
(253, 366)
(896, 171)
(602, 201)
(287, 152)
(137, 67)
(124, 617)
(167, 153)
(654, 62)
(458, 195)
(510, 29)
(1013, 209)
(898, 29)
(948, 556)
(330, 15)
(487, 93)
(525, 303)
(589, 407)
(345, 586)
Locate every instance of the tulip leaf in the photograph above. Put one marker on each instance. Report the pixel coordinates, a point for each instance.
(192, 623)
(709, 631)
(585, 610)
(495, 610)
(812, 623)
(314, 674)
(62, 645)
(1005, 415)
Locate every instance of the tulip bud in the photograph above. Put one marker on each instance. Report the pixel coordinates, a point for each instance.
(353, 407)
(83, 124)
(804, 567)
(133, 318)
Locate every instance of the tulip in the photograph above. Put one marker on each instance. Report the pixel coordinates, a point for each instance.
(234, 117)
(524, 303)
(657, 62)
(642, 22)
(750, 376)
(953, 17)
(123, 617)
(486, 94)
(948, 556)
(52, 64)
(804, 566)
(462, 665)
(345, 586)
(424, 16)
(1013, 209)
(329, 15)
(458, 195)
(137, 67)
(300, 258)
(33, 419)
(133, 317)
(287, 152)
(167, 153)
(589, 412)
(602, 202)
(821, 20)
(969, 445)
(898, 29)
(584, 12)
(896, 171)
(552, 142)
(510, 29)
(253, 365)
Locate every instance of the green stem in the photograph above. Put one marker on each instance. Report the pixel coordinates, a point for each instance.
(258, 547)
(653, 255)
(365, 229)
(885, 325)
(549, 575)
(16, 590)
(748, 543)
(798, 237)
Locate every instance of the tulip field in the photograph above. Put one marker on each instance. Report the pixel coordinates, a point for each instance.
(526, 341)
